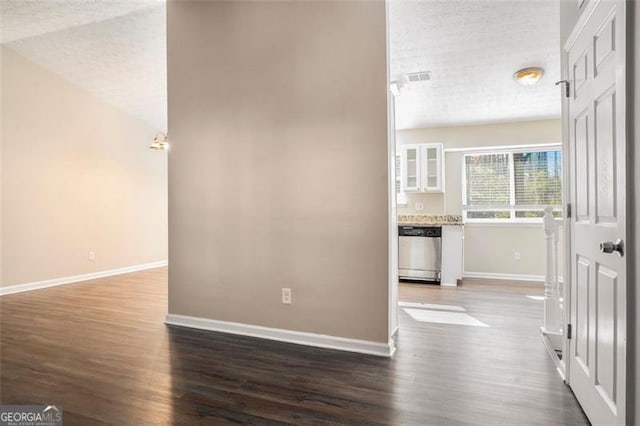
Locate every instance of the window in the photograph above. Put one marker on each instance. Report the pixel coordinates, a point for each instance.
(513, 185)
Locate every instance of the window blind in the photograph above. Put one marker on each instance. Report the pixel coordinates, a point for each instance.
(538, 178)
(488, 180)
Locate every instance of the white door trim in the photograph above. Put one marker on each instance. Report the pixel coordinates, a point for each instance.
(392, 296)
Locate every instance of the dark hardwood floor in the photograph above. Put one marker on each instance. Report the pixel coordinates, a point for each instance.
(100, 350)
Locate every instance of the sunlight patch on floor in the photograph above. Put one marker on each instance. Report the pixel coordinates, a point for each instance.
(431, 306)
(442, 317)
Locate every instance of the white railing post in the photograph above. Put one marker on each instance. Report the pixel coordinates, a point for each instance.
(551, 295)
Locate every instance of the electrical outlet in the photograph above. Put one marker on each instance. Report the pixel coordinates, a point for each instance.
(286, 296)
(419, 206)
(92, 255)
(516, 255)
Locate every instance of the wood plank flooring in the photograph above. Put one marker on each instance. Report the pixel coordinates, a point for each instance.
(100, 350)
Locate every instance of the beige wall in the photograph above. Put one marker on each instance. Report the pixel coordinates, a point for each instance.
(512, 133)
(490, 249)
(76, 176)
(278, 172)
(506, 239)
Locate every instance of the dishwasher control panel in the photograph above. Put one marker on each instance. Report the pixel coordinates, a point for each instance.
(420, 231)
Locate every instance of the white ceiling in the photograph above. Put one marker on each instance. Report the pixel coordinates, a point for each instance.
(115, 49)
(28, 18)
(472, 48)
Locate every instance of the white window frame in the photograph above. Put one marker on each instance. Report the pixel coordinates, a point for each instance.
(512, 208)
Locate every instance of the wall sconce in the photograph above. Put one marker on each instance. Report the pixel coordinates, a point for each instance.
(160, 142)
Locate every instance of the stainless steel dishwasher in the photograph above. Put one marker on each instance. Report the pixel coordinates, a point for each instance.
(420, 253)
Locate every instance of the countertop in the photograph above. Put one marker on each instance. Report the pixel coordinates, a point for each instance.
(430, 220)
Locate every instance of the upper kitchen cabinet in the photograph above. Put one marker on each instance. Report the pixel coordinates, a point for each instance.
(422, 168)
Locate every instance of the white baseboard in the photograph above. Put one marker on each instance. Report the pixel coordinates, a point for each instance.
(19, 288)
(560, 365)
(496, 276)
(281, 335)
(510, 277)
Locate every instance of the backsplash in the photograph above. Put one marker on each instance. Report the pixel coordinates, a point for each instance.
(429, 204)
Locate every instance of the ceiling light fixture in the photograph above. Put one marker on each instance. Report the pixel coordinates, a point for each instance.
(160, 142)
(528, 76)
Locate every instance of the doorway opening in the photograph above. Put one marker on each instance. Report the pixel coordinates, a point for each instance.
(510, 194)
(480, 176)
(84, 92)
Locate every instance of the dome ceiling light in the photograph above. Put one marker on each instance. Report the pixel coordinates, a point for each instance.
(528, 76)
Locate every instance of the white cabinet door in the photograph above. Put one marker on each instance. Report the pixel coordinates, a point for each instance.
(432, 168)
(422, 168)
(410, 168)
(452, 255)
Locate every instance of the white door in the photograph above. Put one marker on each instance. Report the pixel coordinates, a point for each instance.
(597, 145)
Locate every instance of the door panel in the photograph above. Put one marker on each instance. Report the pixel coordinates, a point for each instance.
(582, 314)
(580, 68)
(604, 43)
(582, 157)
(606, 313)
(596, 120)
(605, 157)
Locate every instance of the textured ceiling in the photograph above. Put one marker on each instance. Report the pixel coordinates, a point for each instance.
(116, 49)
(472, 48)
(113, 49)
(29, 18)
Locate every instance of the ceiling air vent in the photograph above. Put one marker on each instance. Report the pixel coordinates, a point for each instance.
(413, 77)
